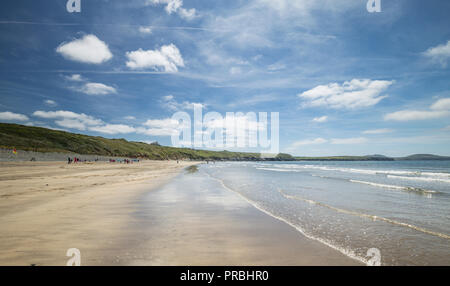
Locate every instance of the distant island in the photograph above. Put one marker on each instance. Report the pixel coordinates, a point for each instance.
(38, 139)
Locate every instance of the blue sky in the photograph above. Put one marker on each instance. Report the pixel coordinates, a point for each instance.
(344, 81)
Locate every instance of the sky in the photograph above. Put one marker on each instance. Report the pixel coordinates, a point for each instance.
(344, 81)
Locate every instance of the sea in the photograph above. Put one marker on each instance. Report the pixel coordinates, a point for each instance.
(398, 211)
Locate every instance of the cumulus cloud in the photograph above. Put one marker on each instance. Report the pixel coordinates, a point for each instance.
(95, 88)
(89, 49)
(439, 54)
(75, 77)
(167, 59)
(175, 6)
(409, 115)
(378, 131)
(441, 104)
(113, 129)
(81, 121)
(69, 119)
(90, 88)
(11, 116)
(71, 123)
(320, 119)
(171, 104)
(160, 127)
(357, 93)
(439, 109)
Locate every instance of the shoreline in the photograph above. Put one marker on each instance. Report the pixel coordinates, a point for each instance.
(119, 214)
(206, 224)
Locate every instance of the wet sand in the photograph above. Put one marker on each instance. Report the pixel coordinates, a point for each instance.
(188, 222)
(139, 214)
(49, 207)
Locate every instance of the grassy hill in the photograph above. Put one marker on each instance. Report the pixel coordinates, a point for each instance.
(346, 158)
(417, 157)
(47, 140)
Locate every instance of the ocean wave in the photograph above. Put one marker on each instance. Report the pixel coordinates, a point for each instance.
(439, 175)
(424, 179)
(403, 188)
(276, 170)
(363, 215)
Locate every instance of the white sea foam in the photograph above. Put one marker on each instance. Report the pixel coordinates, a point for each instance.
(436, 176)
(403, 188)
(276, 170)
(373, 217)
(424, 179)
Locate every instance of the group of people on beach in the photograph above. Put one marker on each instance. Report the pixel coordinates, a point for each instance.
(125, 161)
(76, 160)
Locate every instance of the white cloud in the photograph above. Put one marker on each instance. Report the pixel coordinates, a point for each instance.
(75, 77)
(378, 131)
(130, 118)
(113, 129)
(309, 142)
(320, 119)
(171, 104)
(145, 30)
(81, 121)
(441, 104)
(175, 6)
(160, 127)
(168, 97)
(439, 109)
(88, 49)
(162, 123)
(446, 128)
(50, 102)
(409, 115)
(166, 59)
(71, 123)
(187, 14)
(358, 140)
(69, 119)
(94, 88)
(353, 94)
(7, 115)
(439, 54)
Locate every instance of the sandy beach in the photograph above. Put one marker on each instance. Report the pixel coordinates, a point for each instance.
(139, 214)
